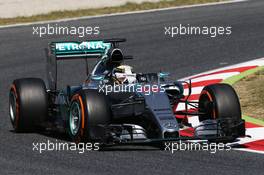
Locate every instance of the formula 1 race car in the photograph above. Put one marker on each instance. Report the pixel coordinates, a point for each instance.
(114, 105)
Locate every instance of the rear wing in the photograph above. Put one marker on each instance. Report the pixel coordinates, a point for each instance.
(75, 50)
(87, 49)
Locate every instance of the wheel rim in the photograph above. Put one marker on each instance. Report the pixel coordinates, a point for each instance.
(12, 106)
(75, 118)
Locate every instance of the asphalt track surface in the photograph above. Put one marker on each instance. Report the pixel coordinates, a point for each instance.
(22, 55)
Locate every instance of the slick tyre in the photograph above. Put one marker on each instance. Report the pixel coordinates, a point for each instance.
(28, 104)
(219, 101)
(88, 109)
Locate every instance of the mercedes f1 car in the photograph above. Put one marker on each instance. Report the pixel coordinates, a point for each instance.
(114, 105)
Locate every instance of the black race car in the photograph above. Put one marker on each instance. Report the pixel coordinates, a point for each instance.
(114, 105)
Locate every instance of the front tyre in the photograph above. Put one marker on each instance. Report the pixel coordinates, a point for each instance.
(88, 110)
(220, 102)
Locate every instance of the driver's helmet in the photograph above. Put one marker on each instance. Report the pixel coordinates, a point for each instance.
(123, 74)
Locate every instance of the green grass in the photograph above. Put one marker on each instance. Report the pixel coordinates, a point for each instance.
(107, 10)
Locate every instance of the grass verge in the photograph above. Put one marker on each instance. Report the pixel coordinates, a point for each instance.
(250, 90)
(107, 10)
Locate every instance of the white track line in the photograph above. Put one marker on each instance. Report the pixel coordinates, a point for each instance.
(123, 13)
(257, 62)
(215, 76)
(248, 150)
(255, 134)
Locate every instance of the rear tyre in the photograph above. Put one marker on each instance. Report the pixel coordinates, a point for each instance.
(220, 101)
(28, 104)
(88, 109)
